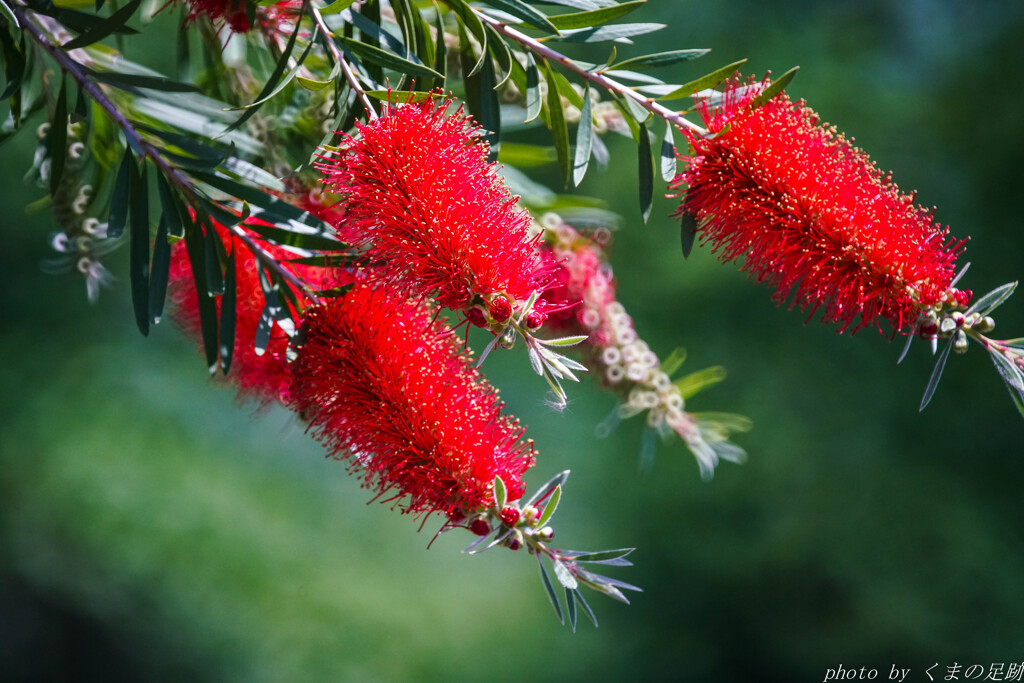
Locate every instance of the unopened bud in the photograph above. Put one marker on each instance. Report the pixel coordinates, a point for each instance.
(947, 325)
(960, 343)
(500, 308)
(509, 516)
(546, 534)
(986, 324)
(480, 526)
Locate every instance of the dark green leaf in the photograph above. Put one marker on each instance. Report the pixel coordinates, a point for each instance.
(482, 101)
(159, 270)
(119, 201)
(602, 556)
(441, 56)
(657, 60)
(570, 604)
(1017, 398)
(381, 57)
(992, 300)
(521, 10)
(774, 89)
(330, 260)
(195, 246)
(668, 155)
(138, 200)
(133, 81)
(584, 139)
(595, 17)
(214, 270)
(81, 109)
(104, 28)
(468, 18)
(645, 173)
(381, 36)
(184, 56)
(14, 63)
(566, 90)
(295, 239)
(711, 80)
(550, 589)
(605, 33)
(195, 148)
(228, 314)
(499, 49)
(586, 608)
(532, 94)
(933, 381)
(687, 232)
(172, 210)
(524, 156)
(273, 209)
(57, 140)
(575, 4)
(219, 213)
(558, 125)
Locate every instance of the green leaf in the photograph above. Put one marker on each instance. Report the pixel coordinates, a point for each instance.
(214, 271)
(521, 10)
(57, 140)
(558, 125)
(382, 57)
(522, 155)
(548, 488)
(697, 382)
(586, 608)
(550, 589)
(273, 209)
(591, 18)
(570, 604)
(404, 97)
(119, 201)
(532, 94)
(656, 60)
(500, 494)
(139, 251)
(564, 575)
(1010, 373)
(711, 80)
(228, 314)
(336, 6)
(500, 50)
(14, 63)
(566, 90)
(575, 4)
(312, 85)
(469, 19)
(584, 139)
(550, 507)
(159, 270)
(668, 155)
(687, 232)
(933, 381)
(441, 56)
(774, 89)
(1017, 398)
(645, 173)
(602, 34)
(133, 81)
(8, 14)
(171, 208)
(992, 300)
(195, 247)
(104, 28)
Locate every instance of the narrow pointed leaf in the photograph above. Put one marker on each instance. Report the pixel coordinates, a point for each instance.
(14, 63)
(228, 317)
(528, 14)
(559, 128)
(8, 14)
(668, 155)
(570, 606)
(777, 86)
(591, 18)
(133, 81)
(119, 201)
(1010, 373)
(532, 94)
(138, 199)
(501, 52)
(548, 488)
(214, 273)
(645, 173)
(659, 59)
(500, 493)
(550, 507)
(601, 34)
(584, 139)
(57, 140)
(336, 6)
(159, 270)
(472, 23)
(482, 101)
(564, 576)
(992, 300)
(933, 381)
(704, 82)
(104, 28)
(549, 587)
(382, 57)
(586, 608)
(687, 232)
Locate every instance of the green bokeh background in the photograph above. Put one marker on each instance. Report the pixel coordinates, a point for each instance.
(151, 528)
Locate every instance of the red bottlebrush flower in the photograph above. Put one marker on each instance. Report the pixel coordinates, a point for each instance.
(426, 203)
(231, 12)
(390, 388)
(264, 378)
(812, 215)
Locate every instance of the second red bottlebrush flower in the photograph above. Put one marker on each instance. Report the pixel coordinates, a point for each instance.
(427, 205)
(812, 215)
(388, 386)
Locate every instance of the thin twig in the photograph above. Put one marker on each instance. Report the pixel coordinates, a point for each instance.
(539, 48)
(346, 68)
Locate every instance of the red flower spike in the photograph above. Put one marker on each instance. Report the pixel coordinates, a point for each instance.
(390, 388)
(812, 215)
(230, 12)
(509, 516)
(426, 204)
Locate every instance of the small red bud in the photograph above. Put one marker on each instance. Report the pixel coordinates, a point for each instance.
(510, 516)
(480, 527)
(500, 308)
(929, 330)
(535, 319)
(514, 544)
(477, 316)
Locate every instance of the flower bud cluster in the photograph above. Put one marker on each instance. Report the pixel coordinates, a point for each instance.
(82, 239)
(614, 352)
(941, 323)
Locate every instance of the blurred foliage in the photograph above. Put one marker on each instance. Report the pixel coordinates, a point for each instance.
(150, 528)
